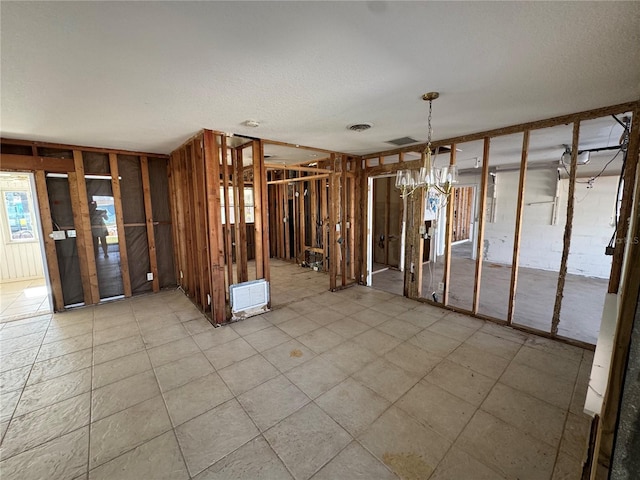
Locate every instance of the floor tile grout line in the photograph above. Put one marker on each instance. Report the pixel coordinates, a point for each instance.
(474, 414)
(164, 402)
(93, 326)
(566, 418)
(21, 393)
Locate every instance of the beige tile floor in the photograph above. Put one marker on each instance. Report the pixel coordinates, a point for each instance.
(23, 299)
(358, 384)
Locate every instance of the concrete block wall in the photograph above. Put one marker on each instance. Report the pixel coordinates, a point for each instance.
(541, 242)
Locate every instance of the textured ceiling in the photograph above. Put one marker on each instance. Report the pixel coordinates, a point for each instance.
(146, 76)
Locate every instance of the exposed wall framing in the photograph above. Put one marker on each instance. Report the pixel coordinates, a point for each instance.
(211, 253)
(380, 168)
(71, 161)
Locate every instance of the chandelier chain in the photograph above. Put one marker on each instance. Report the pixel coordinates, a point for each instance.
(429, 123)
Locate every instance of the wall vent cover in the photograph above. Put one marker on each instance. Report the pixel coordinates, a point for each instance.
(402, 141)
(249, 298)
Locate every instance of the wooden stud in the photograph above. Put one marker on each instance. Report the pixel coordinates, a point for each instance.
(482, 207)
(626, 205)
(196, 201)
(227, 211)
(447, 236)
(518, 229)
(84, 241)
(360, 246)
(333, 220)
(351, 228)
(412, 287)
(216, 245)
(567, 230)
(343, 220)
(302, 231)
(313, 184)
(148, 211)
(240, 226)
(200, 183)
(259, 206)
(325, 223)
(122, 241)
(284, 191)
(187, 191)
(265, 213)
(86, 233)
(173, 208)
(387, 223)
(49, 243)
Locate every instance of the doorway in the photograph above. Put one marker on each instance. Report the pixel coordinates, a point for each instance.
(24, 287)
(385, 257)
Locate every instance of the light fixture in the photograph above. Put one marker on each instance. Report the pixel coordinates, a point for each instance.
(438, 180)
(583, 156)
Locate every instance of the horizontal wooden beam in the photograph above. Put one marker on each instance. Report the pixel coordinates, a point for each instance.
(30, 163)
(295, 168)
(62, 146)
(298, 179)
(295, 145)
(498, 132)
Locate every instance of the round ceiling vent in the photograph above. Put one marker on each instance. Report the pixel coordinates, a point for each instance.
(360, 127)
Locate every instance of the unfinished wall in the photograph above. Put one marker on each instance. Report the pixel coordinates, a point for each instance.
(65, 178)
(203, 178)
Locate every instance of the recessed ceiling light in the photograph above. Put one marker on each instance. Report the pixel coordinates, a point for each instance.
(251, 123)
(360, 127)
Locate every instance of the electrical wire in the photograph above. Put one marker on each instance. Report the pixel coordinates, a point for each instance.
(592, 179)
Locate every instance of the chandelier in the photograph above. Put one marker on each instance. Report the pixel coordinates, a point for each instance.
(437, 180)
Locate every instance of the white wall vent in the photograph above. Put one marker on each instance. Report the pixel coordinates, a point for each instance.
(249, 298)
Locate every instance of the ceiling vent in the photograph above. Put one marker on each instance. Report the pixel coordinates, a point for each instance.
(360, 127)
(399, 142)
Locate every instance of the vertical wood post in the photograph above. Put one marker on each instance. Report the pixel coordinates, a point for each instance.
(482, 207)
(84, 234)
(122, 242)
(555, 321)
(148, 212)
(516, 239)
(414, 245)
(227, 211)
(241, 226)
(447, 235)
(325, 222)
(49, 243)
(343, 220)
(313, 199)
(629, 173)
(301, 219)
(215, 241)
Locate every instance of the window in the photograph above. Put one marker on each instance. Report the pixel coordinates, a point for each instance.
(20, 218)
(248, 205)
